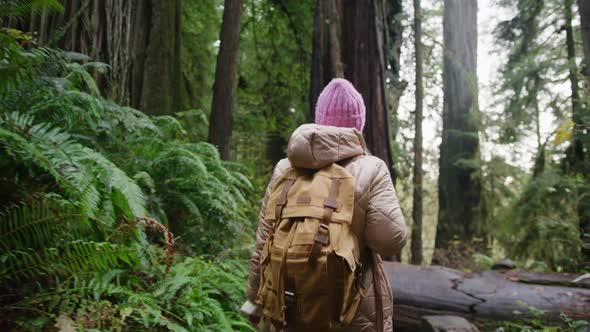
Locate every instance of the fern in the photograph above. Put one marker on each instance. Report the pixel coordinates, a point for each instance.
(20, 8)
(103, 170)
(75, 168)
(550, 236)
(72, 258)
(45, 147)
(125, 193)
(37, 223)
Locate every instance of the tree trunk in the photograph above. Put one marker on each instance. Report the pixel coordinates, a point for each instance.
(584, 8)
(224, 88)
(395, 86)
(459, 184)
(583, 136)
(138, 39)
(487, 297)
(571, 57)
(576, 153)
(335, 33)
(362, 43)
(161, 77)
(417, 206)
(320, 76)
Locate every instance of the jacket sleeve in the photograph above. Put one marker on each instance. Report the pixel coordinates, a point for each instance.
(261, 237)
(385, 228)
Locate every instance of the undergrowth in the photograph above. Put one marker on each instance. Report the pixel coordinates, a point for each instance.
(92, 193)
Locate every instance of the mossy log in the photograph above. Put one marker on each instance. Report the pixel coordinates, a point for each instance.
(483, 297)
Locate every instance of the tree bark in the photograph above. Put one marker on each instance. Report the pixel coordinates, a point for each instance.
(459, 184)
(487, 297)
(571, 56)
(161, 79)
(576, 153)
(417, 206)
(362, 44)
(224, 88)
(584, 9)
(334, 29)
(320, 76)
(138, 39)
(395, 86)
(582, 137)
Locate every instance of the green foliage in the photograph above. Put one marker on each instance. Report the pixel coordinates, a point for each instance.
(49, 237)
(183, 183)
(196, 295)
(20, 8)
(200, 24)
(542, 224)
(79, 171)
(275, 62)
(537, 325)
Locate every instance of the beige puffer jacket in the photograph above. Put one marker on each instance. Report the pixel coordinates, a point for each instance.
(378, 221)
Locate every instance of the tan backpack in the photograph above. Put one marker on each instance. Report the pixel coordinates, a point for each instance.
(310, 265)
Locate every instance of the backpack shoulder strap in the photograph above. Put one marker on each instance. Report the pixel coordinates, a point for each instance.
(283, 199)
(322, 237)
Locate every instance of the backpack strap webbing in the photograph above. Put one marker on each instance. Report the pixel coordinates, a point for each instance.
(322, 237)
(378, 293)
(283, 200)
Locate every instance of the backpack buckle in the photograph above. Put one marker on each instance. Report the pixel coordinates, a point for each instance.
(331, 203)
(322, 236)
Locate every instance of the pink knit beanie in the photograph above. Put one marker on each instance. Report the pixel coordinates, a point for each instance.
(340, 105)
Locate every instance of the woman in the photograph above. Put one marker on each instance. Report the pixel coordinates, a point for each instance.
(378, 222)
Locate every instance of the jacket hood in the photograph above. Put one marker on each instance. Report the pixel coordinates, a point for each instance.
(315, 146)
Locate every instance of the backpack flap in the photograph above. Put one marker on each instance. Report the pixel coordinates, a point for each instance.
(307, 195)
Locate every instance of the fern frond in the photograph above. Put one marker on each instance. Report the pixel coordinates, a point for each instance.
(45, 147)
(21, 8)
(79, 76)
(72, 258)
(170, 127)
(188, 203)
(178, 160)
(206, 150)
(74, 167)
(41, 222)
(125, 193)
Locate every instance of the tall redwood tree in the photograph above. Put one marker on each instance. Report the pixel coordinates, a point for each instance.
(224, 88)
(580, 116)
(139, 39)
(350, 40)
(418, 115)
(459, 183)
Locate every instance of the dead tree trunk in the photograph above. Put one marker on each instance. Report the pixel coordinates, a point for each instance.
(361, 31)
(417, 181)
(487, 297)
(224, 88)
(459, 185)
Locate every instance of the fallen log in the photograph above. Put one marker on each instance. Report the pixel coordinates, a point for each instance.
(483, 297)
